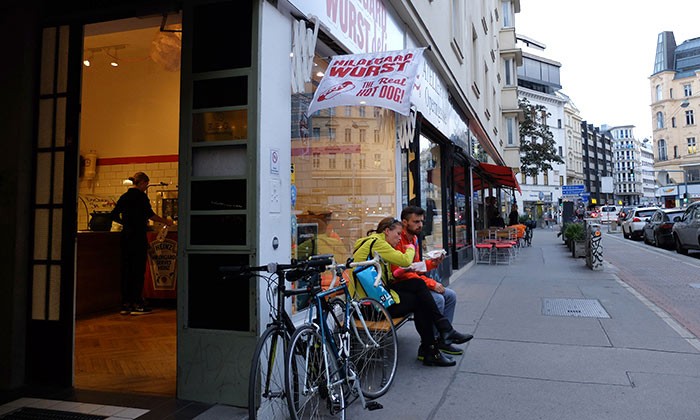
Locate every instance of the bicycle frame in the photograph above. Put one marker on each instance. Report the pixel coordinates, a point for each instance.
(340, 351)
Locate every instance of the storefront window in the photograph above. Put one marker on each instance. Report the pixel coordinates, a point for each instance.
(338, 202)
(431, 193)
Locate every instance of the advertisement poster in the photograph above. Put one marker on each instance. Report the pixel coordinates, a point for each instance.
(379, 79)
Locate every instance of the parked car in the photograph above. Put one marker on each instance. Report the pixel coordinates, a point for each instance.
(622, 214)
(608, 213)
(686, 232)
(658, 230)
(633, 225)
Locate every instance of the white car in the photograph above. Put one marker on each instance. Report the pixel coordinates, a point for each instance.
(633, 225)
(608, 213)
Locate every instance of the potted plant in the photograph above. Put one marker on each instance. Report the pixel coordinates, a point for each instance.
(575, 236)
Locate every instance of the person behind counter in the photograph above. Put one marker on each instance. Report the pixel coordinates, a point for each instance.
(132, 211)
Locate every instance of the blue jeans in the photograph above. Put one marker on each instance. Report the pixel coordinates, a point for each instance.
(446, 303)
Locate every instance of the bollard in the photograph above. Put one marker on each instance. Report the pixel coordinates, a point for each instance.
(594, 249)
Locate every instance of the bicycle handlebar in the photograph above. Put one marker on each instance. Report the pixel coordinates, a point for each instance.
(295, 270)
(338, 268)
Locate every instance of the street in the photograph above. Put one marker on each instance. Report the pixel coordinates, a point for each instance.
(668, 279)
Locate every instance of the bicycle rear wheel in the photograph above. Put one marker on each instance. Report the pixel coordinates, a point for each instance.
(375, 359)
(266, 393)
(314, 389)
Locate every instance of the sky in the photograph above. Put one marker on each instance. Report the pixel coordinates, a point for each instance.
(606, 49)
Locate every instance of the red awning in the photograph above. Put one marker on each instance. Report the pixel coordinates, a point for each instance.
(488, 175)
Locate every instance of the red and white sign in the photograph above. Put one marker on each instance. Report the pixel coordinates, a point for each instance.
(379, 79)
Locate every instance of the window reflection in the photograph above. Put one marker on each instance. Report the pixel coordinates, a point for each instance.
(340, 195)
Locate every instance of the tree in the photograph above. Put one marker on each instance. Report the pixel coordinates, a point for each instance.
(537, 146)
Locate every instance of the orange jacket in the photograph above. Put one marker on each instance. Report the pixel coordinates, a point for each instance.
(403, 275)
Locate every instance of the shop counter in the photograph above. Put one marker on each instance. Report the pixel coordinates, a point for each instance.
(98, 272)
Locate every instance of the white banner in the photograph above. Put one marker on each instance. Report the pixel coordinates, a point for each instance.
(379, 79)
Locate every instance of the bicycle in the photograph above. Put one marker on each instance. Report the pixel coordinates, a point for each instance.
(266, 389)
(329, 357)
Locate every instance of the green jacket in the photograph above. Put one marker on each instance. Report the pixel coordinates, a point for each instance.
(389, 256)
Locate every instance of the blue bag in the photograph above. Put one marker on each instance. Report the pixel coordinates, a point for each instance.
(366, 276)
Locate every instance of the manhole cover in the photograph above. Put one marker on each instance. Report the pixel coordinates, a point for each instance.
(29, 413)
(589, 308)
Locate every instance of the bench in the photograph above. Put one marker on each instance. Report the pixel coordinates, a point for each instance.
(382, 325)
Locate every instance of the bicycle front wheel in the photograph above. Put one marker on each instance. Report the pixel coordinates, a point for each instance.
(373, 347)
(266, 392)
(314, 388)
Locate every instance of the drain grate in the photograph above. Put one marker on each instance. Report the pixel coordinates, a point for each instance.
(29, 413)
(588, 308)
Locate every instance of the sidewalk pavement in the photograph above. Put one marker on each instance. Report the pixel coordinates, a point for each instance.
(524, 364)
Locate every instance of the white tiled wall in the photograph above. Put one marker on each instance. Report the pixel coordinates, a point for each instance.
(104, 190)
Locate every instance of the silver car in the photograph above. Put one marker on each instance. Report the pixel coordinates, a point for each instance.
(686, 232)
(633, 225)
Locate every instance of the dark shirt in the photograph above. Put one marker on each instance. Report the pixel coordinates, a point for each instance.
(513, 218)
(132, 211)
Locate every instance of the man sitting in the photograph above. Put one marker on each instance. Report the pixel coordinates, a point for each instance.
(412, 218)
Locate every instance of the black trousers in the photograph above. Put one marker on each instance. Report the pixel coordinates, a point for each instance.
(416, 297)
(133, 247)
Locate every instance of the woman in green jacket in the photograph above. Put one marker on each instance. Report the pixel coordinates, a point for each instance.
(410, 295)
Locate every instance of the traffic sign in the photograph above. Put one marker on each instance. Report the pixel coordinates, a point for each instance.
(572, 189)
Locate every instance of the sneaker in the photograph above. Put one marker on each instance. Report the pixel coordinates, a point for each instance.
(421, 354)
(141, 310)
(450, 349)
(434, 357)
(126, 309)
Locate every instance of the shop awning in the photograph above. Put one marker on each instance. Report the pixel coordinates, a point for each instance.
(488, 175)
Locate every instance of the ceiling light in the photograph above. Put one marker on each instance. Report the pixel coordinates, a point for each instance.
(86, 62)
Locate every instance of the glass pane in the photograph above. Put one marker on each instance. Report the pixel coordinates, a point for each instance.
(45, 123)
(225, 229)
(431, 198)
(63, 60)
(43, 177)
(220, 126)
(217, 93)
(56, 237)
(39, 292)
(214, 302)
(48, 50)
(41, 234)
(222, 34)
(55, 293)
(219, 161)
(462, 216)
(343, 189)
(219, 195)
(58, 178)
(60, 122)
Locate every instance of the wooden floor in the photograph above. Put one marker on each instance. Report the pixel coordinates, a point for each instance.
(129, 354)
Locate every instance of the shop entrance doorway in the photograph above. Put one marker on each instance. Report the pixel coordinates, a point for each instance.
(129, 122)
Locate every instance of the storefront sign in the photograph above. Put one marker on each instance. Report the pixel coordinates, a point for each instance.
(360, 25)
(381, 79)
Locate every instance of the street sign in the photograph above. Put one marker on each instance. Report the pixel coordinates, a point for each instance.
(572, 189)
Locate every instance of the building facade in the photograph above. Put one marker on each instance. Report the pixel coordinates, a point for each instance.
(258, 179)
(674, 87)
(627, 168)
(597, 165)
(574, 144)
(538, 82)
